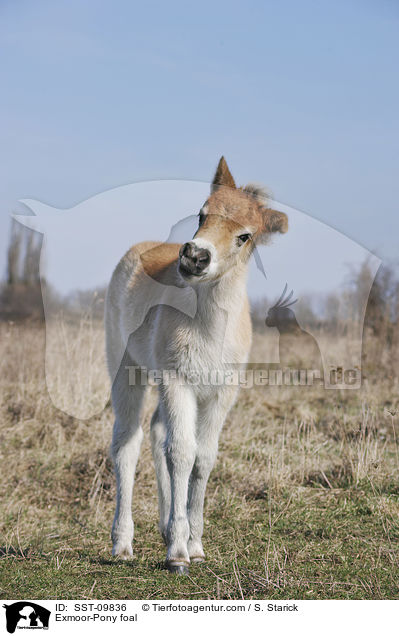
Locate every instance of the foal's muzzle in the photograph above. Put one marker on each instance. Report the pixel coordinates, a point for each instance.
(193, 259)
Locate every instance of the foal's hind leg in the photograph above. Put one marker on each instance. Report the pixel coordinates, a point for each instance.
(126, 441)
(158, 440)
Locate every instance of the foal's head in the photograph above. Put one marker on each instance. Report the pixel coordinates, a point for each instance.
(231, 222)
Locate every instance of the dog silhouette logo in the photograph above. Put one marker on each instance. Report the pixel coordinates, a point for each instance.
(83, 244)
(26, 615)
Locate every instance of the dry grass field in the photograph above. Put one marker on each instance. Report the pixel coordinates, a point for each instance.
(302, 503)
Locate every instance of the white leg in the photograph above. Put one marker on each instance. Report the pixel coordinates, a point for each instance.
(180, 411)
(126, 442)
(158, 441)
(211, 416)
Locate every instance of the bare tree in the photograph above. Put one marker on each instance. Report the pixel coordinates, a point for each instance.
(14, 254)
(31, 258)
(21, 296)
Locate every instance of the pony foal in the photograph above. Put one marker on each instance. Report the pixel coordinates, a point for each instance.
(185, 427)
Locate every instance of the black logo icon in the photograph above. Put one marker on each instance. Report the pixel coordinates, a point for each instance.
(26, 615)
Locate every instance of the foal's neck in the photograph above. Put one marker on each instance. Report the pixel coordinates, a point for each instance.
(225, 296)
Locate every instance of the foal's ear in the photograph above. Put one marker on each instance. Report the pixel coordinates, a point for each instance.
(223, 176)
(274, 221)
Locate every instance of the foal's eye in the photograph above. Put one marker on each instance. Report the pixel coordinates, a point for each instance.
(243, 238)
(201, 218)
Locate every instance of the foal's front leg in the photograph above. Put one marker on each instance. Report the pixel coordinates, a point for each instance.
(180, 411)
(211, 416)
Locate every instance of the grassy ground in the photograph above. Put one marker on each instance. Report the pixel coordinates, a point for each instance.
(303, 501)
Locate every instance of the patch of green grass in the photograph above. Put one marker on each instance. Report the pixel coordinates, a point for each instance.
(306, 543)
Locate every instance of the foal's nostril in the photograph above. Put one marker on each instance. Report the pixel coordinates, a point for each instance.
(185, 250)
(204, 257)
(193, 258)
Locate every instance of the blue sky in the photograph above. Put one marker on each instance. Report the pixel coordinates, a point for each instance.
(302, 96)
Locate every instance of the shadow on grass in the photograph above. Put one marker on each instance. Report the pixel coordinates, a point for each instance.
(131, 564)
(10, 551)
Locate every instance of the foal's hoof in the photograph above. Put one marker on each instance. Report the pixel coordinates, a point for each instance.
(177, 568)
(197, 559)
(122, 551)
